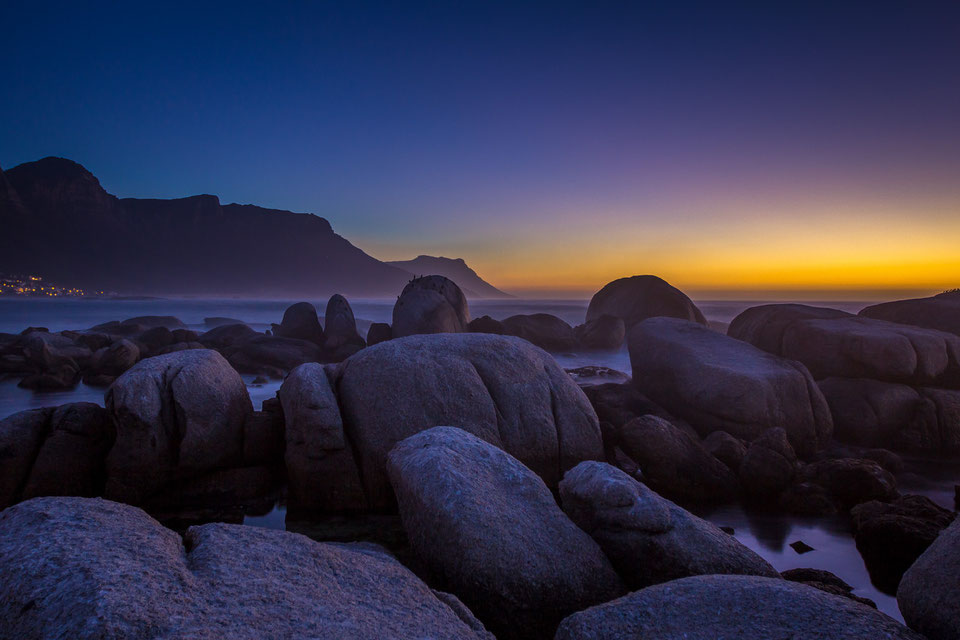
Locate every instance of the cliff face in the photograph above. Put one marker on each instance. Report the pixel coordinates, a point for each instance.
(59, 222)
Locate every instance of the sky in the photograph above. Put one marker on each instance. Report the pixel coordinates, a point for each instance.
(775, 148)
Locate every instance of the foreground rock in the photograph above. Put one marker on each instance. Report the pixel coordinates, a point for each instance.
(492, 531)
(648, 538)
(640, 297)
(54, 451)
(542, 329)
(719, 383)
(88, 568)
(501, 389)
(891, 536)
(827, 582)
(703, 607)
(431, 304)
(177, 416)
(675, 463)
(928, 596)
(940, 312)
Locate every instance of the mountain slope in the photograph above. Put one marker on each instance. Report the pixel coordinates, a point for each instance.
(455, 269)
(58, 221)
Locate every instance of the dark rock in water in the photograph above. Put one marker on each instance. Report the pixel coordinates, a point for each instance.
(227, 335)
(676, 464)
(592, 372)
(54, 451)
(826, 582)
(884, 414)
(341, 326)
(891, 536)
(725, 448)
(431, 304)
(179, 346)
(115, 359)
(605, 333)
(501, 389)
(300, 322)
(648, 538)
(724, 606)
(320, 461)
(219, 321)
(769, 465)
(486, 324)
(619, 403)
(61, 377)
(177, 415)
(695, 372)
(91, 568)
(833, 343)
(542, 329)
(801, 547)
(807, 499)
(852, 480)
(260, 380)
(940, 312)
(492, 531)
(149, 322)
(928, 595)
(152, 340)
(47, 350)
(640, 297)
(379, 332)
(272, 356)
(886, 459)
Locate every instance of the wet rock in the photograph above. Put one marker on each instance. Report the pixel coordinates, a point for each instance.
(227, 335)
(91, 568)
(115, 359)
(891, 536)
(674, 463)
(826, 582)
(769, 465)
(801, 547)
(272, 356)
(725, 448)
(471, 510)
(501, 389)
(928, 596)
(542, 329)
(605, 333)
(648, 538)
(725, 606)
(177, 415)
(431, 304)
(637, 298)
(300, 322)
(852, 480)
(694, 372)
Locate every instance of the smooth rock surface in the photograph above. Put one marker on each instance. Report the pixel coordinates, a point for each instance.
(542, 329)
(929, 593)
(637, 298)
(431, 304)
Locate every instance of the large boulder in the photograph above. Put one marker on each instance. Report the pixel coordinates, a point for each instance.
(891, 536)
(115, 359)
(719, 383)
(88, 568)
(340, 328)
(729, 607)
(675, 463)
(56, 451)
(300, 321)
(605, 333)
(270, 355)
(648, 538)
(499, 388)
(833, 343)
(542, 329)
(619, 403)
(851, 480)
(493, 533)
(940, 312)
(321, 468)
(637, 298)
(177, 415)
(873, 413)
(929, 593)
(431, 304)
(227, 335)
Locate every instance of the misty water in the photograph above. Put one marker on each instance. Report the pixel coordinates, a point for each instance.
(768, 534)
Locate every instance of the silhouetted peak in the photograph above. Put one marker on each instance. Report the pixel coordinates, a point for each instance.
(57, 182)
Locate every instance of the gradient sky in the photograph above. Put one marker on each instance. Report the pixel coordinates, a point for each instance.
(554, 146)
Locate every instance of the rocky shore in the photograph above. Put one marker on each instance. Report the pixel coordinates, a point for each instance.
(530, 506)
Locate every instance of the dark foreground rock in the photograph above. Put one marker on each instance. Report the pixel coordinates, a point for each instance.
(648, 538)
(732, 607)
(542, 329)
(719, 383)
(177, 416)
(929, 595)
(491, 530)
(88, 568)
(431, 304)
(501, 389)
(640, 297)
(54, 451)
(826, 582)
(891, 536)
